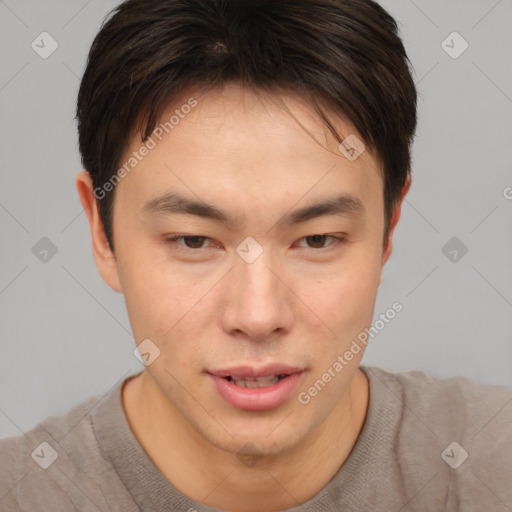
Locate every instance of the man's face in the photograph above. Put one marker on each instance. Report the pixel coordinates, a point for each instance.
(219, 300)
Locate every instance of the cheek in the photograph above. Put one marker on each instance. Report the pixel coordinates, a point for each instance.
(348, 314)
(345, 296)
(166, 305)
(154, 300)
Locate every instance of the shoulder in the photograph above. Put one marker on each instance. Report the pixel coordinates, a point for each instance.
(452, 435)
(456, 406)
(457, 400)
(51, 463)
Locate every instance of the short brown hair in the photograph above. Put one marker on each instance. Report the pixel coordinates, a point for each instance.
(345, 52)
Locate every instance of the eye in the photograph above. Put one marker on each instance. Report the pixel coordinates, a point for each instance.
(191, 241)
(319, 240)
(195, 242)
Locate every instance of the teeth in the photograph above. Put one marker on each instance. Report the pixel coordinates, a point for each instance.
(255, 382)
(255, 379)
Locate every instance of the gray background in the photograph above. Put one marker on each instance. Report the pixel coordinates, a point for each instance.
(65, 334)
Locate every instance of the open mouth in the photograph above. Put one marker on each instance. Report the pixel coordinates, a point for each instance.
(257, 390)
(255, 382)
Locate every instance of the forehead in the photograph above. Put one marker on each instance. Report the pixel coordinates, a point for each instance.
(259, 145)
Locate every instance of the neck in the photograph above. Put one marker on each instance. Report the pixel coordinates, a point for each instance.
(214, 477)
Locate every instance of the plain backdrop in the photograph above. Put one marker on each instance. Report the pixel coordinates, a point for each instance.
(65, 334)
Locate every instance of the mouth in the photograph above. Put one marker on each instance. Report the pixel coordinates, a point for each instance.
(255, 382)
(253, 389)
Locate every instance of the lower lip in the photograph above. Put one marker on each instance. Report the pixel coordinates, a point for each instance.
(256, 399)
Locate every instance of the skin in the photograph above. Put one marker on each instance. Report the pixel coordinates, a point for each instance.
(301, 302)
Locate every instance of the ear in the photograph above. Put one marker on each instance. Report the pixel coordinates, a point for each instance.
(104, 257)
(394, 220)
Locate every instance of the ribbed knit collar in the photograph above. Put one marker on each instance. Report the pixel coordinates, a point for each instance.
(348, 488)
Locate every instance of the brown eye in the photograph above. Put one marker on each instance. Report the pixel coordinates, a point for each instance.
(317, 241)
(194, 242)
(190, 241)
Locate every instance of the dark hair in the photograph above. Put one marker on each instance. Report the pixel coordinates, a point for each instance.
(345, 53)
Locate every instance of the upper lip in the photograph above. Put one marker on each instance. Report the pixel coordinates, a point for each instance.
(262, 371)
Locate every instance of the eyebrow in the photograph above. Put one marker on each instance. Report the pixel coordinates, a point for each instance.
(172, 203)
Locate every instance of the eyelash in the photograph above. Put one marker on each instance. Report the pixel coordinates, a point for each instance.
(174, 240)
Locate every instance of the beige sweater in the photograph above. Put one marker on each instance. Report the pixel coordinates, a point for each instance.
(428, 444)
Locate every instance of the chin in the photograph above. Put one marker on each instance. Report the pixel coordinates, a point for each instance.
(254, 439)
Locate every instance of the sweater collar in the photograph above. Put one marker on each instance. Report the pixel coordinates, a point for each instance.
(153, 492)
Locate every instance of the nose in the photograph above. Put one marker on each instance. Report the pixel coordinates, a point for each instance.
(258, 302)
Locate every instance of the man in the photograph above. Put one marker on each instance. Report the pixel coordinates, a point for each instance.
(246, 162)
